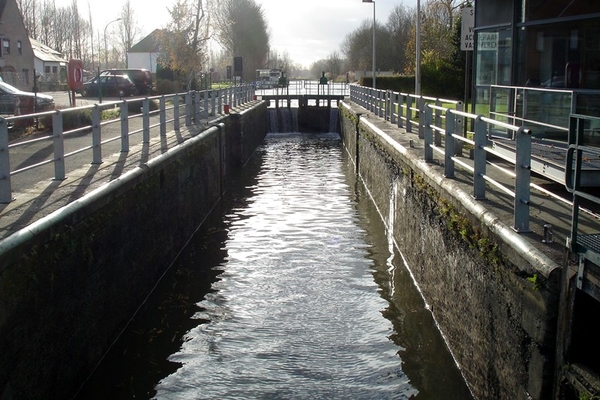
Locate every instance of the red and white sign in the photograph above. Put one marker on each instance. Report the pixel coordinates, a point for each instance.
(75, 71)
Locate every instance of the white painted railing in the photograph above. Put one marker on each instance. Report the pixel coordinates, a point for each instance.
(190, 107)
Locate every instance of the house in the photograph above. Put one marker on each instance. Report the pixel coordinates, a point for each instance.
(50, 66)
(145, 53)
(16, 53)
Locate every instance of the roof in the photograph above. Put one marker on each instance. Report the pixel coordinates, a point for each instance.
(45, 53)
(149, 44)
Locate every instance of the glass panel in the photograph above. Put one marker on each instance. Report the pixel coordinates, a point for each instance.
(560, 55)
(544, 9)
(493, 58)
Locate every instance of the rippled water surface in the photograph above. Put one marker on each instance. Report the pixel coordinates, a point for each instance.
(292, 295)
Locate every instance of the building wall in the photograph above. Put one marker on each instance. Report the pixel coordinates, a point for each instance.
(17, 67)
(142, 60)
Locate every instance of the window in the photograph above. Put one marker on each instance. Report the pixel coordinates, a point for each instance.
(47, 69)
(54, 69)
(20, 47)
(6, 46)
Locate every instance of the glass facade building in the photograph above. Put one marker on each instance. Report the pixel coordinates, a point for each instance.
(537, 60)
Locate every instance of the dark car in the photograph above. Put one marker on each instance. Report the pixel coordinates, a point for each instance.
(112, 85)
(14, 101)
(142, 78)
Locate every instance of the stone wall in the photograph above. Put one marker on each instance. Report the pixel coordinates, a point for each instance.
(71, 286)
(495, 306)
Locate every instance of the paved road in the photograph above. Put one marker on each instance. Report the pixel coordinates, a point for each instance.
(39, 151)
(63, 100)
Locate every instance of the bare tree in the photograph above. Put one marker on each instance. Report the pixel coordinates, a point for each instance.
(128, 29)
(242, 30)
(28, 10)
(399, 25)
(183, 43)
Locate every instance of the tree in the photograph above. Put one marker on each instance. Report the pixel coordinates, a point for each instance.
(128, 29)
(357, 47)
(183, 44)
(399, 25)
(242, 30)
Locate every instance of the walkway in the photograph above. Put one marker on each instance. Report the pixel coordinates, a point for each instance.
(549, 206)
(47, 196)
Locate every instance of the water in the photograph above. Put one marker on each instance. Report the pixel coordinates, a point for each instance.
(292, 293)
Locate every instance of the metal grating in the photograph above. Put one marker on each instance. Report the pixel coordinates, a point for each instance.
(590, 242)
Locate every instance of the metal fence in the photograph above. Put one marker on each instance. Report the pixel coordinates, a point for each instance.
(440, 123)
(308, 87)
(190, 108)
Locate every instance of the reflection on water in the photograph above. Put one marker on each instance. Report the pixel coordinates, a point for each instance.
(287, 296)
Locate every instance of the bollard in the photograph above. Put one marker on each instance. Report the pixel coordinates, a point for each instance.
(547, 234)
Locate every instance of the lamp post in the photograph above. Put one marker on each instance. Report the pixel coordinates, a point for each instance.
(373, 1)
(105, 46)
(418, 55)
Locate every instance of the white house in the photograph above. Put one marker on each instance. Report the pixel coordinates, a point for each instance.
(50, 66)
(145, 53)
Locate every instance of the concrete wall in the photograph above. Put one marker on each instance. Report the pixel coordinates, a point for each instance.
(494, 301)
(70, 285)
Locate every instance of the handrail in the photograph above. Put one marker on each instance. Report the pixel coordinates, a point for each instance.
(437, 121)
(197, 106)
(586, 244)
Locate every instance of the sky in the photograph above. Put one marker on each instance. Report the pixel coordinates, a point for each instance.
(309, 30)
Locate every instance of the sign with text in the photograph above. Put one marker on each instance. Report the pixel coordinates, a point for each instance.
(467, 32)
(487, 41)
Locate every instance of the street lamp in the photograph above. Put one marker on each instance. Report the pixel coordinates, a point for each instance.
(105, 46)
(373, 1)
(418, 55)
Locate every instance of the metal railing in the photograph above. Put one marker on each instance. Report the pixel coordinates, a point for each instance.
(580, 147)
(308, 87)
(190, 107)
(402, 109)
(441, 129)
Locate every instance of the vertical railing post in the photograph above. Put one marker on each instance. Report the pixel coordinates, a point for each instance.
(479, 159)
(5, 187)
(96, 136)
(449, 146)
(522, 180)
(176, 125)
(197, 102)
(58, 141)
(400, 110)
(163, 116)
(220, 102)
(409, 111)
(459, 122)
(438, 122)
(124, 126)
(189, 108)
(206, 105)
(393, 102)
(146, 121)
(421, 107)
(425, 119)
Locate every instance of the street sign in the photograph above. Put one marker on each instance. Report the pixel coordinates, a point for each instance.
(467, 32)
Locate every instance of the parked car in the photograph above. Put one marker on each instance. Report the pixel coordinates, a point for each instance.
(142, 78)
(14, 101)
(112, 85)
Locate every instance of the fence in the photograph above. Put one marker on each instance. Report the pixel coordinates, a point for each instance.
(191, 107)
(441, 128)
(580, 147)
